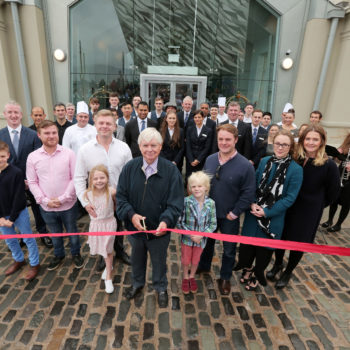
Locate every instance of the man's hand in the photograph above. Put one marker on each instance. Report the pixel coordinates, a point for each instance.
(91, 210)
(54, 203)
(195, 162)
(162, 226)
(26, 184)
(136, 221)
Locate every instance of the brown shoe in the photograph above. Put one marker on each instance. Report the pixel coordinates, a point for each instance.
(32, 273)
(224, 286)
(14, 267)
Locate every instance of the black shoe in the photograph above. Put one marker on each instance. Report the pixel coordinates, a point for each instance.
(125, 258)
(55, 262)
(163, 299)
(334, 228)
(132, 292)
(326, 224)
(101, 264)
(270, 275)
(199, 271)
(78, 261)
(47, 241)
(283, 281)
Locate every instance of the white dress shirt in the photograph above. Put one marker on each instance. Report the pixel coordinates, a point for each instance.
(19, 128)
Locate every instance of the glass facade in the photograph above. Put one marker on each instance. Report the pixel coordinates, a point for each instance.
(231, 42)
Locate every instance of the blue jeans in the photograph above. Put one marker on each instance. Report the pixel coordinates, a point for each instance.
(229, 252)
(55, 220)
(22, 223)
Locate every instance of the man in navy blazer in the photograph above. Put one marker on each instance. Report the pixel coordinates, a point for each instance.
(22, 141)
(134, 127)
(259, 137)
(186, 115)
(158, 114)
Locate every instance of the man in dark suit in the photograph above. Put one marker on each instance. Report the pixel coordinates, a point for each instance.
(244, 143)
(126, 117)
(94, 105)
(135, 126)
(259, 136)
(114, 103)
(158, 114)
(186, 115)
(38, 115)
(22, 141)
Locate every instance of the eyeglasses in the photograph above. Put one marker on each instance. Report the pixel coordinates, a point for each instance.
(282, 145)
(217, 173)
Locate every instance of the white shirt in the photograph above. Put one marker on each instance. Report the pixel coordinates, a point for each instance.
(171, 132)
(199, 129)
(91, 154)
(19, 128)
(247, 119)
(222, 118)
(280, 123)
(74, 136)
(235, 123)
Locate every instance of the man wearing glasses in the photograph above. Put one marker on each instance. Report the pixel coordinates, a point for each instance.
(233, 190)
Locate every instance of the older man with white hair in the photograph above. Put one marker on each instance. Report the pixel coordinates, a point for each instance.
(149, 197)
(80, 133)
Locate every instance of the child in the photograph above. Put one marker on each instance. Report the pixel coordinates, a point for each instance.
(14, 214)
(101, 197)
(199, 214)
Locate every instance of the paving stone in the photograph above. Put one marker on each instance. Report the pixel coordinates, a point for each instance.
(47, 301)
(119, 336)
(37, 347)
(271, 318)
(287, 325)
(259, 321)
(276, 304)
(3, 328)
(76, 326)
(37, 319)
(313, 305)
(208, 339)
(4, 289)
(237, 339)
(133, 342)
(88, 335)
(327, 293)
(327, 325)
(148, 346)
(148, 330)
(176, 319)
(215, 309)
(150, 307)
(66, 317)
(345, 298)
(163, 323)
(99, 299)
(124, 308)
(175, 303)
(71, 344)
(308, 315)
(191, 328)
(9, 316)
(88, 293)
(80, 285)
(176, 336)
(73, 275)
(225, 346)
(74, 298)
(82, 310)
(249, 331)
(243, 314)
(138, 301)
(193, 345)
(26, 336)
(57, 308)
(164, 344)
(312, 345)
(262, 300)
(84, 347)
(48, 278)
(94, 319)
(31, 285)
(108, 318)
(101, 342)
(8, 300)
(266, 339)
(297, 343)
(219, 330)
(135, 322)
(189, 309)
(38, 294)
(212, 294)
(204, 319)
(303, 329)
(45, 330)
(188, 297)
(322, 337)
(283, 347)
(15, 329)
(201, 302)
(227, 306)
(56, 284)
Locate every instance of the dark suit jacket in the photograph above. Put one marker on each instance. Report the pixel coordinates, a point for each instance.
(174, 154)
(258, 149)
(121, 121)
(132, 133)
(28, 142)
(244, 143)
(180, 117)
(198, 147)
(158, 120)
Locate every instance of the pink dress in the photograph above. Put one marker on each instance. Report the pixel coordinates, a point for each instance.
(105, 222)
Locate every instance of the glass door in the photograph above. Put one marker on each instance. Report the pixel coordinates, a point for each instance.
(173, 88)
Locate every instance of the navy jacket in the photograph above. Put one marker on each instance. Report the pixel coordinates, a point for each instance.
(174, 154)
(258, 149)
(28, 142)
(198, 147)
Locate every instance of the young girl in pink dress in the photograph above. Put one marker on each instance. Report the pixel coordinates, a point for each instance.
(101, 197)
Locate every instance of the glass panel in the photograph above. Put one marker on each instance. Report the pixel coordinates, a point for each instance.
(158, 89)
(183, 90)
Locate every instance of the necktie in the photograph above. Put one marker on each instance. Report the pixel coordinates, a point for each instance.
(255, 131)
(15, 141)
(186, 117)
(143, 125)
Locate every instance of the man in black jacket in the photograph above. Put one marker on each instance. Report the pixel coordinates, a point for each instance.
(149, 197)
(259, 136)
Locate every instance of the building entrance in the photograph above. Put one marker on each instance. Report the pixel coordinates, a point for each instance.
(173, 88)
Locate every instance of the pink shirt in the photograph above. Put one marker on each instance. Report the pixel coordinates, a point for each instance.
(51, 176)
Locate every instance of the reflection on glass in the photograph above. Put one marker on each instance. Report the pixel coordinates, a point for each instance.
(155, 90)
(183, 90)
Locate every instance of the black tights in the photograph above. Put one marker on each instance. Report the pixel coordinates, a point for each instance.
(293, 261)
(262, 256)
(344, 211)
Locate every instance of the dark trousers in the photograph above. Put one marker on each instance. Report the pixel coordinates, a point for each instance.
(157, 249)
(293, 260)
(229, 249)
(39, 221)
(262, 256)
(119, 240)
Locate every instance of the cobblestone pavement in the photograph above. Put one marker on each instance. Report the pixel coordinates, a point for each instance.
(69, 309)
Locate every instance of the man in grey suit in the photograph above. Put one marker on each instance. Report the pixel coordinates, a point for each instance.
(22, 141)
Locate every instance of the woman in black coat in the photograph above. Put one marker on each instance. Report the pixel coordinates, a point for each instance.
(320, 188)
(173, 140)
(198, 143)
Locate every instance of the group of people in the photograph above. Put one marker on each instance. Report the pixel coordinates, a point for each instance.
(126, 169)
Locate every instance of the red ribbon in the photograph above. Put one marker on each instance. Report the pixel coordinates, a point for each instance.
(261, 242)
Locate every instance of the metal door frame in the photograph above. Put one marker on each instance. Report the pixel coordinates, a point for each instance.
(146, 79)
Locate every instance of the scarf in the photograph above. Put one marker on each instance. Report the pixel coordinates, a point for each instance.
(267, 194)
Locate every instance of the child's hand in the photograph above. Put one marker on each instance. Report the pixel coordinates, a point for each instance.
(7, 223)
(2, 221)
(91, 210)
(196, 239)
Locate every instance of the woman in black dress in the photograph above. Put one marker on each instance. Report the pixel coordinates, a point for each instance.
(198, 143)
(344, 197)
(173, 139)
(320, 188)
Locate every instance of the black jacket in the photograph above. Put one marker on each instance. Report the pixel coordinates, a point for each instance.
(180, 117)
(198, 147)
(174, 154)
(258, 149)
(159, 198)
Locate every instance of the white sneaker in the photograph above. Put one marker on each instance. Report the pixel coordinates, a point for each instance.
(109, 286)
(104, 274)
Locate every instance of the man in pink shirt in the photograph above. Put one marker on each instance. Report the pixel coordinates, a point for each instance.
(50, 172)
